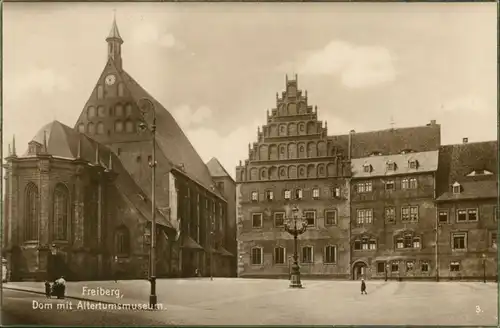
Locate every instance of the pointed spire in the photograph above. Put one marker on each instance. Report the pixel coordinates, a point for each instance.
(114, 33)
(296, 79)
(306, 93)
(79, 152)
(258, 129)
(249, 146)
(14, 145)
(286, 78)
(267, 112)
(110, 162)
(10, 150)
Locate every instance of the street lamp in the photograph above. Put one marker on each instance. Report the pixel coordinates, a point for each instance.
(484, 268)
(386, 270)
(295, 226)
(146, 106)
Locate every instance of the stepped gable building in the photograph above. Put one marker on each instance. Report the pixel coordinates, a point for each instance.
(392, 202)
(77, 201)
(293, 162)
(467, 193)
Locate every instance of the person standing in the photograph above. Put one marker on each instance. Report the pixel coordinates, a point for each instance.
(363, 287)
(48, 290)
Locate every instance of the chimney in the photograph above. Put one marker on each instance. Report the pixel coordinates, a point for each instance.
(349, 145)
(433, 122)
(465, 140)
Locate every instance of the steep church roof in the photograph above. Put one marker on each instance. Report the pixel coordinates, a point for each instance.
(66, 143)
(216, 169)
(174, 147)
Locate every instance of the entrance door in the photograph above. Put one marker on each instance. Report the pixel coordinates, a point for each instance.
(359, 270)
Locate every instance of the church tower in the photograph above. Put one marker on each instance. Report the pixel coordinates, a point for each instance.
(115, 42)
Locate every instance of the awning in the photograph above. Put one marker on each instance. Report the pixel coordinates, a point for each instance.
(189, 243)
(225, 252)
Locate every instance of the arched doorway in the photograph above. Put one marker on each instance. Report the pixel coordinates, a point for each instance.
(359, 270)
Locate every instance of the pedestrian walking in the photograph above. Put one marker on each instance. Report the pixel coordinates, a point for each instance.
(48, 289)
(363, 287)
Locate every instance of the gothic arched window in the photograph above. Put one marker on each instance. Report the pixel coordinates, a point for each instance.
(129, 126)
(31, 212)
(100, 92)
(118, 126)
(128, 109)
(60, 214)
(91, 112)
(100, 128)
(122, 241)
(121, 89)
(90, 128)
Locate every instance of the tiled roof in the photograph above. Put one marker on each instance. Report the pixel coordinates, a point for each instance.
(391, 141)
(425, 161)
(458, 161)
(172, 141)
(472, 190)
(63, 141)
(216, 169)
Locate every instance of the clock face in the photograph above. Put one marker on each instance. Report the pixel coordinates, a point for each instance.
(110, 79)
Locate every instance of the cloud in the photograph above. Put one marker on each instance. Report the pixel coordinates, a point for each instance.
(357, 66)
(149, 34)
(186, 116)
(45, 81)
(470, 104)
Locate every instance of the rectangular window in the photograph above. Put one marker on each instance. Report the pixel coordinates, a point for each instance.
(461, 215)
(416, 242)
(357, 245)
(391, 166)
(365, 216)
(279, 255)
(413, 183)
(330, 254)
(410, 265)
(459, 241)
(255, 196)
(493, 240)
(404, 184)
(335, 192)
(495, 213)
(364, 187)
(269, 195)
(405, 214)
(389, 185)
(257, 220)
(256, 256)
(413, 213)
(298, 194)
(443, 216)
(394, 267)
(390, 214)
(373, 245)
(408, 241)
(380, 267)
(288, 194)
(330, 217)
(316, 193)
(310, 218)
(472, 214)
(307, 254)
(279, 219)
(455, 266)
(399, 243)
(364, 244)
(424, 266)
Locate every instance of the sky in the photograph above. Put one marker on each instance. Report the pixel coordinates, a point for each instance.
(217, 66)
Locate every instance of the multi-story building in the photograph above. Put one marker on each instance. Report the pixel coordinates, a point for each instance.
(79, 201)
(293, 162)
(392, 202)
(400, 206)
(467, 194)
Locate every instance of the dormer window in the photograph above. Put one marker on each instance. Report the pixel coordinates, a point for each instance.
(367, 168)
(479, 172)
(34, 148)
(390, 166)
(457, 188)
(413, 164)
(376, 153)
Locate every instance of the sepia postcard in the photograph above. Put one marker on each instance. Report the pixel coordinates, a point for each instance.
(249, 164)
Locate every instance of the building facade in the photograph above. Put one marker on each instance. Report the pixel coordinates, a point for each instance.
(293, 162)
(377, 200)
(79, 201)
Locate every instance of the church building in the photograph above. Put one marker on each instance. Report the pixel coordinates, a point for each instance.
(78, 201)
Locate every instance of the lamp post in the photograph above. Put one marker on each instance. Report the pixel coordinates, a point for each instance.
(146, 106)
(295, 226)
(484, 268)
(386, 270)
(211, 254)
